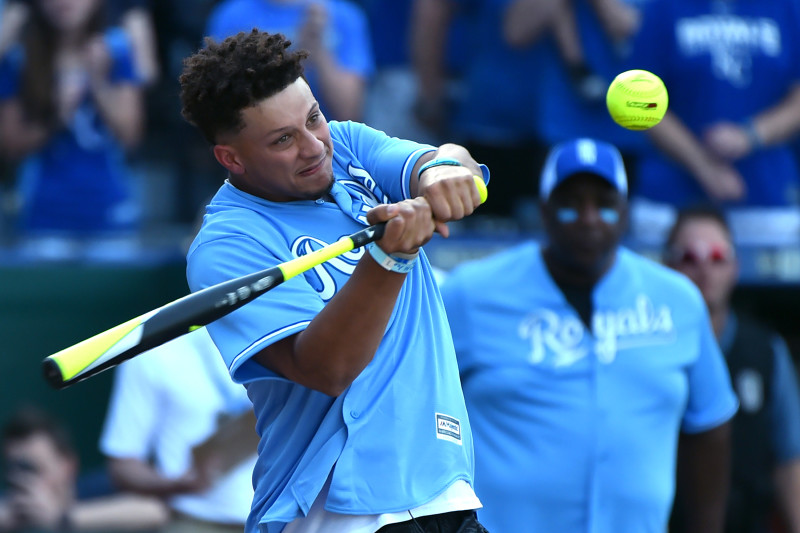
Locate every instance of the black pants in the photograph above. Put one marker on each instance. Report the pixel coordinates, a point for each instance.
(455, 522)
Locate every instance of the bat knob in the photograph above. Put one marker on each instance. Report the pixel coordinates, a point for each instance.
(52, 374)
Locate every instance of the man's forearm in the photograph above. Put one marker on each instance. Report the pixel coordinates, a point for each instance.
(704, 474)
(133, 475)
(124, 512)
(677, 142)
(781, 122)
(430, 25)
(787, 490)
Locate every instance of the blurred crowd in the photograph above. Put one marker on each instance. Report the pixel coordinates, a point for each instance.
(96, 157)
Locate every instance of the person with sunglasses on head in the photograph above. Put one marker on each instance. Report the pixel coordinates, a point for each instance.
(766, 430)
(581, 362)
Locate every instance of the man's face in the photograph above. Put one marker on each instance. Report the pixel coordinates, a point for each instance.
(36, 460)
(703, 251)
(284, 152)
(584, 218)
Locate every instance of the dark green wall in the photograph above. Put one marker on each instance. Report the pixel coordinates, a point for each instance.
(46, 308)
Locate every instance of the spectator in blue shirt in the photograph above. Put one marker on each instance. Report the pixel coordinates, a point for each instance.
(71, 107)
(489, 104)
(584, 44)
(732, 70)
(334, 32)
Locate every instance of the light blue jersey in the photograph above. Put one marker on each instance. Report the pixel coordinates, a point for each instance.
(399, 435)
(577, 431)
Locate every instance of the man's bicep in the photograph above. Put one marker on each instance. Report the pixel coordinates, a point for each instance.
(711, 397)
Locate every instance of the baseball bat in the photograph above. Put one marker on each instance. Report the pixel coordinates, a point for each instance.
(129, 339)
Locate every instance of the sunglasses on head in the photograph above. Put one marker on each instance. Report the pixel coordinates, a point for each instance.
(716, 254)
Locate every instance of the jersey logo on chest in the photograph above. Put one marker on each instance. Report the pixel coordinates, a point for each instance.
(559, 340)
(327, 277)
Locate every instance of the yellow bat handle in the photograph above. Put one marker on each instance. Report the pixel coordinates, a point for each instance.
(482, 190)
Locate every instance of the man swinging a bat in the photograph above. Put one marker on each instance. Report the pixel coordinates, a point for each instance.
(350, 366)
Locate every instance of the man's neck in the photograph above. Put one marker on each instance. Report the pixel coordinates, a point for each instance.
(719, 317)
(566, 274)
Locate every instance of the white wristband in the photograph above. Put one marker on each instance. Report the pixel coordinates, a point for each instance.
(400, 263)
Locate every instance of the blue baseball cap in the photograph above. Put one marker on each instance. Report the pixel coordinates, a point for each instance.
(582, 156)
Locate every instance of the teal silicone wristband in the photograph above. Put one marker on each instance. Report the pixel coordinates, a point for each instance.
(439, 162)
(393, 263)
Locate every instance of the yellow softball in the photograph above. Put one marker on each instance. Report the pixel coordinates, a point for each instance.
(637, 99)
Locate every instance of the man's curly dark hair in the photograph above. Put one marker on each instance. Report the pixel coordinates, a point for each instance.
(223, 78)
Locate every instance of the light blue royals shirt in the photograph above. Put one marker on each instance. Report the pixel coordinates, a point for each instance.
(399, 435)
(576, 431)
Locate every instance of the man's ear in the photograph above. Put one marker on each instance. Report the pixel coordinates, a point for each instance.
(624, 216)
(546, 216)
(228, 158)
(544, 210)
